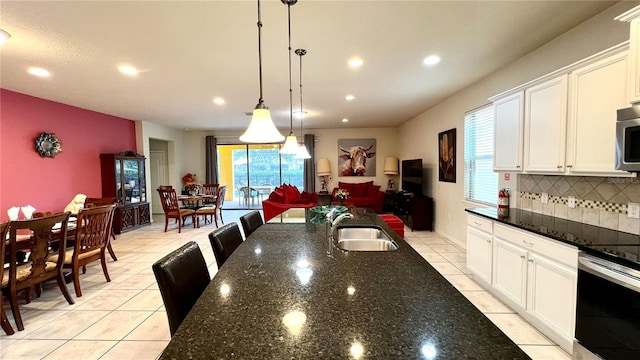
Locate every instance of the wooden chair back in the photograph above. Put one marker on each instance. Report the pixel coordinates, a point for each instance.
(93, 228)
(4, 321)
(210, 189)
(182, 276)
(165, 187)
(222, 190)
(93, 202)
(169, 200)
(41, 267)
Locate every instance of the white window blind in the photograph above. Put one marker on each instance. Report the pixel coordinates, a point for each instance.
(480, 182)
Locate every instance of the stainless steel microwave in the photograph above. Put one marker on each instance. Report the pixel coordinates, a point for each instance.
(628, 139)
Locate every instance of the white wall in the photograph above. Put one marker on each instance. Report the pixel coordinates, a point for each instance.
(326, 146)
(419, 135)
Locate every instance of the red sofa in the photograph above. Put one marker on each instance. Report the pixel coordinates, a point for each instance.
(365, 195)
(285, 197)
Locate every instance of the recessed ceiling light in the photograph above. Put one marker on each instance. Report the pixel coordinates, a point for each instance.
(218, 101)
(4, 36)
(128, 70)
(300, 114)
(349, 97)
(431, 60)
(355, 63)
(39, 72)
(345, 120)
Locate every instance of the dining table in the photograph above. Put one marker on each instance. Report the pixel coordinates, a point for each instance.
(284, 293)
(196, 201)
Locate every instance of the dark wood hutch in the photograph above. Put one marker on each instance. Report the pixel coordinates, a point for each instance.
(123, 177)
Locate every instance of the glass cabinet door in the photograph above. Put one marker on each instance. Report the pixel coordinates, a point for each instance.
(131, 181)
(119, 188)
(143, 187)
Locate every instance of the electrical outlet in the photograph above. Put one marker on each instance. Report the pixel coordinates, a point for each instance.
(633, 210)
(544, 198)
(571, 202)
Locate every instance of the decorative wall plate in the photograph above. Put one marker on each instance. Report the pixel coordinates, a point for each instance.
(48, 144)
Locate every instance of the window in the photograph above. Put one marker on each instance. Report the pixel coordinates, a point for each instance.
(480, 182)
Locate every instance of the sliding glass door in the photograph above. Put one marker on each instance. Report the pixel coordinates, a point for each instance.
(251, 172)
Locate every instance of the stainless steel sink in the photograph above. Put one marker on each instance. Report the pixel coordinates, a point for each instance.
(369, 238)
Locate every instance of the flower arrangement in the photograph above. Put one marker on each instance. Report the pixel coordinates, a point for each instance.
(342, 194)
(189, 178)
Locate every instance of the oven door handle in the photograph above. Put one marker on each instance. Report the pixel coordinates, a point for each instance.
(615, 273)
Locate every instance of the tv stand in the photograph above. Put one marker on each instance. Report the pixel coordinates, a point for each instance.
(416, 211)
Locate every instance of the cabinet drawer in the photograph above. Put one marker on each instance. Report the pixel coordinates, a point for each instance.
(562, 253)
(480, 223)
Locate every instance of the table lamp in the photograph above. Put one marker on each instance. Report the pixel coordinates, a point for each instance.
(323, 170)
(390, 169)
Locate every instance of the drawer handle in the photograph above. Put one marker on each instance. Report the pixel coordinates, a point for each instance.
(477, 223)
(559, 166)
(517, 166)
(488, 241)
(530, 260)
(522, 256)
(527, 243)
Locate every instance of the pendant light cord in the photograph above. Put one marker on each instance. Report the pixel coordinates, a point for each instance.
(301, 53)
(290, 90)
(260, 100)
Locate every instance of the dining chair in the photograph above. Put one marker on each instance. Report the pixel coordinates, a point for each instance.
(93, 233)
(4, 321)
(182, 276)
(214, 211)
(92, 202)
(210, 189)
(224, 241)
(250, 222)
(40, 266)
(172, 209)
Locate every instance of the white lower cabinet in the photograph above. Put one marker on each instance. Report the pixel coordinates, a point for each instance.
(536, 276)
(479, 249)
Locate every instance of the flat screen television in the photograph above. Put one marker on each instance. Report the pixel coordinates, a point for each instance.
(412, 176)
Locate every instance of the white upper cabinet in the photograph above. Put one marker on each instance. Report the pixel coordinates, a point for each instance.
(564, 122)
(508, 126)
(633, 17)
(596, 92)
(545, 117)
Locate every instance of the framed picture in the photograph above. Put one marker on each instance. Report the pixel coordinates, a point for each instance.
(356, 157)
(447, 156)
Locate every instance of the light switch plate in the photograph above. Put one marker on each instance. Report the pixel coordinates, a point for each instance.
(544, 198)
(633, 210)
(571, 203)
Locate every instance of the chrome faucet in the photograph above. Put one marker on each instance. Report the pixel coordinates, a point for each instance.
(331, 224)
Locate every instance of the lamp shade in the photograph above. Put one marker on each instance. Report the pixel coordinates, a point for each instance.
(391, 166)
(261, 129)
(302, 152)
(324, 167)
(290, 145)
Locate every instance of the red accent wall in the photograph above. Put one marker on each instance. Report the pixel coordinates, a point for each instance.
(49, 184)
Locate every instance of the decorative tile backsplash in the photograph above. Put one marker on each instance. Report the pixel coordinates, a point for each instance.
(600, 201)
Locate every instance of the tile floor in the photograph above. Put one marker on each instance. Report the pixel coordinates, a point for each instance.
(125, 319)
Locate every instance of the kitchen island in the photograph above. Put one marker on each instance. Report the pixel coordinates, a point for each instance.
(281, 296)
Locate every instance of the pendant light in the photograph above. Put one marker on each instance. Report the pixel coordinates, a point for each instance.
(302, 152)
(261, 128)
(291, 144)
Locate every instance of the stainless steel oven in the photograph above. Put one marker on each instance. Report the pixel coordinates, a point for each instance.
(628, 139)
(608, 309)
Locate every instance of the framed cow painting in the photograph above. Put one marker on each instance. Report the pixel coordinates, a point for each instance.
(447, 155)
(357, 157)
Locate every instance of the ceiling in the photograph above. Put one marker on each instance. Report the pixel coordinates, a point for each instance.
(192, 51)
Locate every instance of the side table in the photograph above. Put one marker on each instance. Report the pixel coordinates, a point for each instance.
(324, 199)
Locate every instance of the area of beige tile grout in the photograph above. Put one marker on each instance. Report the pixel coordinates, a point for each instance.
(125, 318)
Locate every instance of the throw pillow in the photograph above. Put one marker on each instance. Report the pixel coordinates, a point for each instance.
(373, 190)
(361, 189)
(277, 195)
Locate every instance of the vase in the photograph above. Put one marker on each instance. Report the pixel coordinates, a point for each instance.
(341, 200)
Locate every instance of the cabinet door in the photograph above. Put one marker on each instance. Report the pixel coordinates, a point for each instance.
(634, 67)
(479, 251)
(545, 126)
(597, 91)
(510, 272)
(552, 294)
(508, 118)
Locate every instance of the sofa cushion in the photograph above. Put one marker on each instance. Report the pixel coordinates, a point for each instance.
(291, 194)
(373, 189)
(360, 189)
(346, 186)
(277, 195)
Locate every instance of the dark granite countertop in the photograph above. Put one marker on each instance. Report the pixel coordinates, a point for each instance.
(280, 296)
(617, 246)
